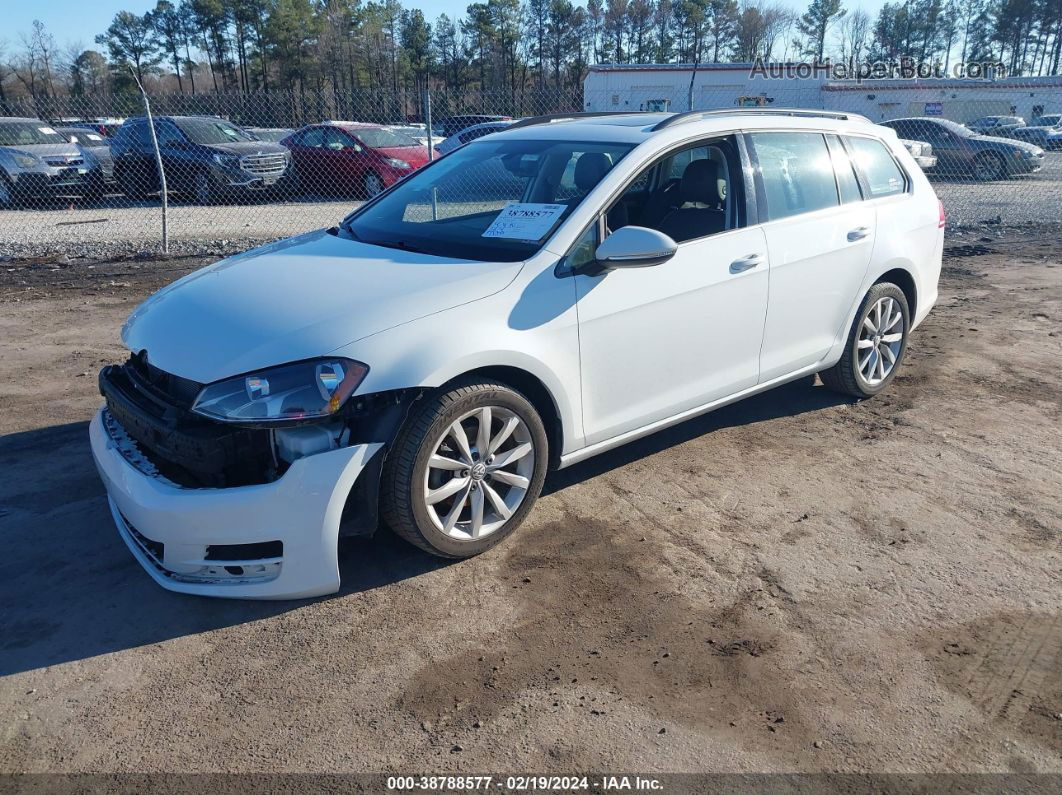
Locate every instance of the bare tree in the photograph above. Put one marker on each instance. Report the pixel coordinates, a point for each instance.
(854, 34)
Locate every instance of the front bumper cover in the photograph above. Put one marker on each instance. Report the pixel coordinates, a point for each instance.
(169, 529)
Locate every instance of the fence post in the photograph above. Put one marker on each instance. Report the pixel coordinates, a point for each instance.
(158, 163)
(427, 123)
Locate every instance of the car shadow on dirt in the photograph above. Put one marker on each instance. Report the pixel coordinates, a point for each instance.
(789, 400)
(70, 590)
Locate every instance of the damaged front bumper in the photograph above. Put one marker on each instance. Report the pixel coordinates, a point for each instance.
(275, 540)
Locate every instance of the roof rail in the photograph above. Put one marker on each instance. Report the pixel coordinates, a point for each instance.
(696, 115)
(533, 120)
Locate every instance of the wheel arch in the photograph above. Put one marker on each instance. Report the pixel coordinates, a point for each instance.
(905, 280)
(535, 390)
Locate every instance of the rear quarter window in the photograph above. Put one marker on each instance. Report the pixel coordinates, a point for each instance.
(882, 175)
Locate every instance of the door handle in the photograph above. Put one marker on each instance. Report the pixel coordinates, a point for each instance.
(745, 263)
(858, 233)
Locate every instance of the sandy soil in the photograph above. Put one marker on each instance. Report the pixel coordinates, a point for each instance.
(795, 583)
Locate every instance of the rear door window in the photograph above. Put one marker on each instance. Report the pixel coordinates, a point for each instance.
(796, 172)
(881, 174)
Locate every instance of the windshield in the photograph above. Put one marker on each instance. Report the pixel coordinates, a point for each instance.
(958, 129)
(382, 138)
(25, 133)
(1046, 121)
(494, 201)
(212, 131)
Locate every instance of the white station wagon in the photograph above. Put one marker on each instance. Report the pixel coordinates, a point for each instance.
(532, 299)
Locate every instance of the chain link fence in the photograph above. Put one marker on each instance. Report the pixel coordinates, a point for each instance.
(78, 175)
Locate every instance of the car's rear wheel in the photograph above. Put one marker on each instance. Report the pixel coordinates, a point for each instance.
(876, 344)
(989, 166)
(465, 470)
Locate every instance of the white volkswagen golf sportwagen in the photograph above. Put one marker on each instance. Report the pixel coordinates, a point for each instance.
(536, 297)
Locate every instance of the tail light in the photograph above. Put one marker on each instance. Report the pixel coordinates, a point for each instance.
(943, 217)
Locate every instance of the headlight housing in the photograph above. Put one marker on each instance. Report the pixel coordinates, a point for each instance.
(25, 161)
(394, 162)
(292, 392)
(227, 161)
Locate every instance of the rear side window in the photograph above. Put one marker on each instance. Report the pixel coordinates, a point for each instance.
(796, 171)
(882, 175)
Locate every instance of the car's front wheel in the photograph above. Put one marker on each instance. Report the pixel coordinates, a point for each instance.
(876, 344)
(465, 470)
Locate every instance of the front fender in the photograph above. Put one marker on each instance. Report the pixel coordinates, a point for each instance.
(436, 349)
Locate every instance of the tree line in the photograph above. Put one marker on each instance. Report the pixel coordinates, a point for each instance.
(244, 46)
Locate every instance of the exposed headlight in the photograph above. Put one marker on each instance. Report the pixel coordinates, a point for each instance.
(25, 161)
(394, 162)
(227, 161)
(300, 391)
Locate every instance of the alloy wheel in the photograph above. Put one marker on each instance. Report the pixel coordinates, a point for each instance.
(880, 341)
(373, 185)
(479, 472)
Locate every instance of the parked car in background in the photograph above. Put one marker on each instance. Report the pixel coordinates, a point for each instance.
(36, 162)
(454, 124)
(106, 127)
(445, 345)
(205, 157)
(274, 134)
(418, 132)
(1000, 126)
(960, 152)
(96, 147)
(352, 157)
(1044, 131)
(921, 152)
(470, 134)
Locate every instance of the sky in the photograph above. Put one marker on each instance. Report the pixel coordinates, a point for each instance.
(78, 21)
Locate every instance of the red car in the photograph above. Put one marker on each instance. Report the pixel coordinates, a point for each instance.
(346, 157)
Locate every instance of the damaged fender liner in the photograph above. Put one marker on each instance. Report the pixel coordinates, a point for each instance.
(153, 409)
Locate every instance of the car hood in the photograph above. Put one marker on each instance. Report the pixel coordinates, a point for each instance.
(45, 150)
(248, 148)
(1009, 142)
(297, 299)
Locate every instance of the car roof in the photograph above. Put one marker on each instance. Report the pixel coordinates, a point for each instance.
(20, 119)
(637, 127)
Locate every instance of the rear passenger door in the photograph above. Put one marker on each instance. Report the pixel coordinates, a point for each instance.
(820, 235)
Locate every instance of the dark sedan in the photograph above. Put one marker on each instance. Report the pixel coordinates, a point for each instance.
(962, 153)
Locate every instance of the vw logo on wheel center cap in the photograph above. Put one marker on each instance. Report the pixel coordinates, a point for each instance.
(479, 470)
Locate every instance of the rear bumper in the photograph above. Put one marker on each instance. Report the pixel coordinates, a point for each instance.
(177, 534)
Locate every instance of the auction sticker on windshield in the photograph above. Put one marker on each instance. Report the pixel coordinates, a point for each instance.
(525, 221)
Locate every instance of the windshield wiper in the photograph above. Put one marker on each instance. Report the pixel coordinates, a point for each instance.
(398, 244)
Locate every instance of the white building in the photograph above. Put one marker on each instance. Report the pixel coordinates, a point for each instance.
(659, 87)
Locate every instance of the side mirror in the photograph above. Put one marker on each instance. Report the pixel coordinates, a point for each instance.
(634, 247)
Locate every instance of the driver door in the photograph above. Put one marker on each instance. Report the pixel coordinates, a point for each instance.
(658, 341)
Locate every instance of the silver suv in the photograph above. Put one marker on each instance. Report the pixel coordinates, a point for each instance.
(37, 162)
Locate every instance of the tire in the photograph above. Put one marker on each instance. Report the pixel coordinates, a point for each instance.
(409, 483)
(9, 199)
(850, 375)
(371, 185)
(203, 189)
(989, 166)
(134, 186)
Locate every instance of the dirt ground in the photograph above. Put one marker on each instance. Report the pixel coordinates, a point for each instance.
(794, 583)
